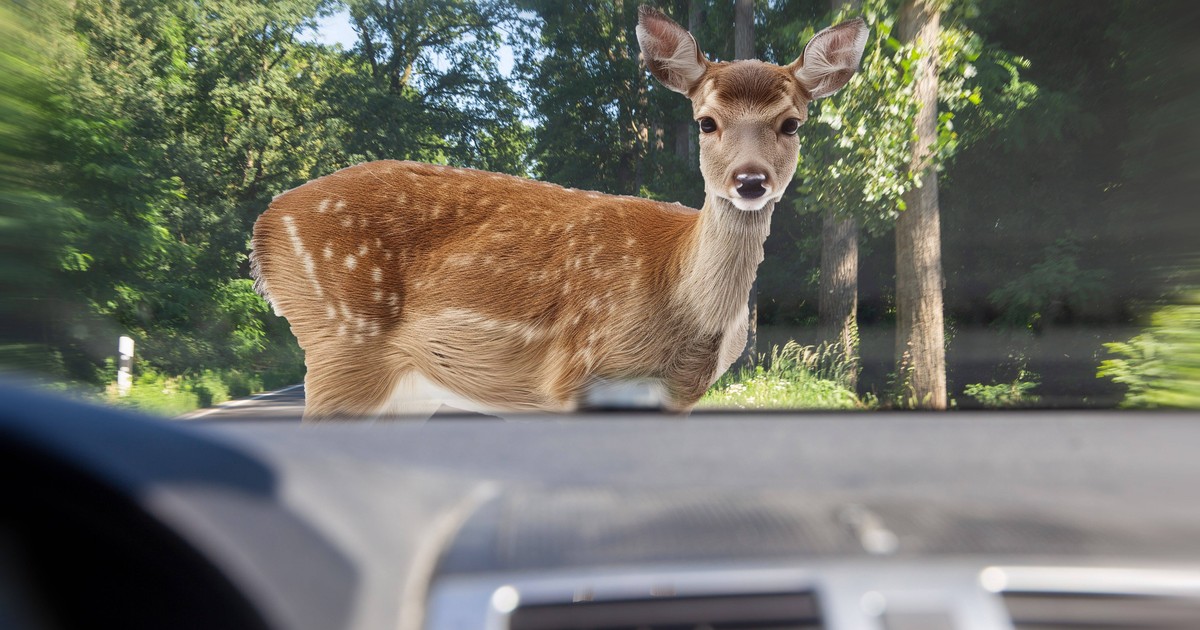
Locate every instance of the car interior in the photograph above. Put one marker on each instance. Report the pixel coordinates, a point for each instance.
(606, 520)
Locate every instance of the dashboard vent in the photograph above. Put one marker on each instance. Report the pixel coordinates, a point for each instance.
(1101, 611)
(777, 611)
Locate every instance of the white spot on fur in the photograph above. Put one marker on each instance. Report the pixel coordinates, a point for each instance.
(328, 252)
(351, 262)
(310, 268)
(377, 274)
(290, 224)
(339, 206)
(323, 206)
(377, 295)
(459, 260)
(347, 222)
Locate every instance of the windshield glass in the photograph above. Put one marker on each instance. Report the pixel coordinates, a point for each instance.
(956, 205)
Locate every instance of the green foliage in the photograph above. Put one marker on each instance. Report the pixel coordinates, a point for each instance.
(165, 130)
(162, 394)
(1161, 366)
(856, 145)
(794, 377)
(856, 148)
(589, 95)
(1052, 290)
(1006, 395)
(423, 83)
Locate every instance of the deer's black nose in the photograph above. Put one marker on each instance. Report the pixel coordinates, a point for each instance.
(750, 185)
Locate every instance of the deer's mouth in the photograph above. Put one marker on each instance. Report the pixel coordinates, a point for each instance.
(750, 197)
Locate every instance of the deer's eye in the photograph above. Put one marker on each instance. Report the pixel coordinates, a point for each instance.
(790, 126)
(708, 125)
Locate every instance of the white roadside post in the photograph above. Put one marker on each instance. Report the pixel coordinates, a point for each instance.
(125, 365)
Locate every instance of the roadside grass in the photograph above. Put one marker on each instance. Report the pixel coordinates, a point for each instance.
(165, 395)
(791, 377)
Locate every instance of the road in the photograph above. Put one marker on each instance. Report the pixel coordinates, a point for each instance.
(285, 404)
(281, 404)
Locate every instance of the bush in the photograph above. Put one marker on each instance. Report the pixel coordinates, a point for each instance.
(794, 377)
(156, 393)
(1161, 366)
(1000, 395)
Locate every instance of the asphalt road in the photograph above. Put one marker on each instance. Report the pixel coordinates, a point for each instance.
(282, 404)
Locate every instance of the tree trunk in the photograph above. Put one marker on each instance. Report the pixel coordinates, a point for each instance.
(695, 19)
(743, 34)
(920, 336)
(838, 302)
(743, 48)
(837, 305)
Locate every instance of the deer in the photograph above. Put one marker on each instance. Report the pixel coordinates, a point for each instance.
(412, 285)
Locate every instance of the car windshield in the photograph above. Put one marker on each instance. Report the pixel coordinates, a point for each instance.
(957, 205)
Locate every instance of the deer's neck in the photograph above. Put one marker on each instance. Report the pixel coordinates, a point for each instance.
(722, 263)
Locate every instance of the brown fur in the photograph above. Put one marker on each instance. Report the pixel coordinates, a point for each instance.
(516, 294)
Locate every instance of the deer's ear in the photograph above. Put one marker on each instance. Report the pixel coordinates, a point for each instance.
(671, 53)
(831, 58)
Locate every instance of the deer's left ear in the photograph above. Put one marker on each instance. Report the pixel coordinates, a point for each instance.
(831, 58)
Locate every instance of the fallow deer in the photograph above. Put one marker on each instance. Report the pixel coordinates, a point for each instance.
(412, 285)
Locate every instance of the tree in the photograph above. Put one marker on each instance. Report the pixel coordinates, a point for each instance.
(426, 84)
(590, 96)
(853, 167)
(838, 298)
(34, 222)
(920, 333)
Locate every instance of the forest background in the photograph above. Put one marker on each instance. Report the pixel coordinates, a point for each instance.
(140, 139)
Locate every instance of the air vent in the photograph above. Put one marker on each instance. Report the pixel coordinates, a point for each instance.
(777, 611)
(1101, 611)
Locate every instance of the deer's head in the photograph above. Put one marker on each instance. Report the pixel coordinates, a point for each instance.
(749, 111)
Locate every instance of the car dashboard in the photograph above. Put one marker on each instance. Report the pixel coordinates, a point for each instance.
(866, 521)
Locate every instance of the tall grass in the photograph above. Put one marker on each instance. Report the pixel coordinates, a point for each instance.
(791, 377)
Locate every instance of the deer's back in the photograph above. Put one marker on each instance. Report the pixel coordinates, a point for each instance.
(362, 250)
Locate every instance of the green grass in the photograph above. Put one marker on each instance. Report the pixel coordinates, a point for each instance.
(793, 377)
(160, 394)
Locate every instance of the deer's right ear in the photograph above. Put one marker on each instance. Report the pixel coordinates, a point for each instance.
(671, 53)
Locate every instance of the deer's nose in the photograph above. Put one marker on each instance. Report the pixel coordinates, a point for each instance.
(750, 185)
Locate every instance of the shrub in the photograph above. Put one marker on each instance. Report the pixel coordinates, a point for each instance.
(1161, 366)
(794, 377)
(999, 395)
